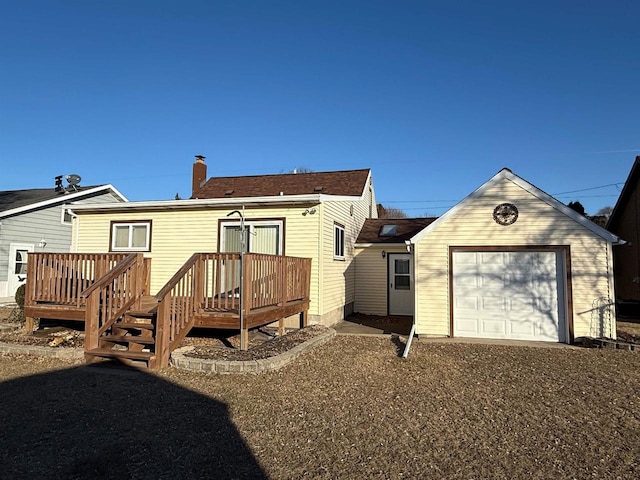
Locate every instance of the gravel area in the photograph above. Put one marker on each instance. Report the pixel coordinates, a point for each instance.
(348, 409)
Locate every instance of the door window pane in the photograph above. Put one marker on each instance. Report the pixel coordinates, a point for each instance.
(265, 239)
(232, 239)
(402, 267)
(21, 262)
(402, 282)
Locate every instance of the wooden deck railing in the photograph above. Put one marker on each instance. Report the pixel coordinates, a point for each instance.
(111, 296)
(211, 282)
(61, 277)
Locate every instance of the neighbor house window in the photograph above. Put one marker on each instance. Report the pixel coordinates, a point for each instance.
(338, 241)
(131, 236)
(66, 218)
(260, 236)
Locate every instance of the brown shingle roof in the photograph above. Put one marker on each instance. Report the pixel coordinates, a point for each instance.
(347, 182)
(405, 229)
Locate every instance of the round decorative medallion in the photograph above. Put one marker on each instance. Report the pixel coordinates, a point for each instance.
(505, 214)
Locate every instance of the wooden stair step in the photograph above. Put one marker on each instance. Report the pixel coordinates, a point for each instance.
(128, 338)
(106, 352)
(141, 313)
(143, 326)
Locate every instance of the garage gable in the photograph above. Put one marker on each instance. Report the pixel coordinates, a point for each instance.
(501, 186)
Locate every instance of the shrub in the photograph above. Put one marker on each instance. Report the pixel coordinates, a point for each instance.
(18, 312)
(20, 296)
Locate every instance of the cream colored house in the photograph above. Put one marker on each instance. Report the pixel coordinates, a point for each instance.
(313, 215)
(508, 262)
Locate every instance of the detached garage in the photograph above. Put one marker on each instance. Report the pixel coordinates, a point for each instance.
(511, 262)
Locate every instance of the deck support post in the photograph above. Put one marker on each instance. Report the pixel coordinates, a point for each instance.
(29, 324)
(304, 318)
(162, 332)
(281, 331)
(91, 341)
(244, 339)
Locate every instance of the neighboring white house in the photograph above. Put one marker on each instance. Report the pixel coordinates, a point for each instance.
(40, 220)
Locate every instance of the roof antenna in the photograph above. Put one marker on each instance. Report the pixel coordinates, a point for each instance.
(74, 181)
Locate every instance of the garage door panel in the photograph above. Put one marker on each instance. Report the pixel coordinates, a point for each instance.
(492, 258)
(493, 327)
(507, 295)
(467, 303)
(495, 281)
(468, 279)
(493, 304)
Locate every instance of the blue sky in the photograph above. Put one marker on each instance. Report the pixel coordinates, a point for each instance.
(434, 97)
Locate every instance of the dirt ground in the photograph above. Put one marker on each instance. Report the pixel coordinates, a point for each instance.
(348, 409)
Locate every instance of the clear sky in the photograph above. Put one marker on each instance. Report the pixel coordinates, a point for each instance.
(434, 97)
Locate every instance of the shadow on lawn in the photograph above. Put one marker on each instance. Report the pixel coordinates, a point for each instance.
(100, 422)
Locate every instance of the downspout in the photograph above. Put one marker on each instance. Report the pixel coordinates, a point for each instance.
(410, 249)
(75, 226)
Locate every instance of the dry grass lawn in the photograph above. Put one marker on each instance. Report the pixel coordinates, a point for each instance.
(349, 409)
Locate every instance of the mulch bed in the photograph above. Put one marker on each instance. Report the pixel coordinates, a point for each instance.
(60, 336)
(217, 349)
(208, 344)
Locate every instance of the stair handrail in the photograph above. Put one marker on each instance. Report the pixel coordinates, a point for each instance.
(176, 314)
(101, 306)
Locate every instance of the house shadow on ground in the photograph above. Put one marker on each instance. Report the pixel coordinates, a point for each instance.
(105, 422)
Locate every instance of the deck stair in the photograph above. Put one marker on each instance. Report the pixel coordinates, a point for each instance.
(132, 338)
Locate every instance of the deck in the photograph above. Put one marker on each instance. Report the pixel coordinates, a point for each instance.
(110, 293)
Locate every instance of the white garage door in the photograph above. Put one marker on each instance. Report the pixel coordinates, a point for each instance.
(509, 295)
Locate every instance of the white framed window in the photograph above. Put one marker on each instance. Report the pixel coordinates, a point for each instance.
(338, 241)
(131, 236)
(261, 236)
(65, 216)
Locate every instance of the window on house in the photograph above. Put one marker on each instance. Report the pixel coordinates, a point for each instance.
(264, 236)
(338, 241)
(388, 230)
(66, 218)
(131, 236)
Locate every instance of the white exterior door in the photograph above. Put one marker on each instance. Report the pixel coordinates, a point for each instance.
(509, 295)
(18, 255)
(400, 284)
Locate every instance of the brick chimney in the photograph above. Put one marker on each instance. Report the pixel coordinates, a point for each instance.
(199, 175)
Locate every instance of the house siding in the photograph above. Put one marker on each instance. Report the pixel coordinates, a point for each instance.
(538, 224)
(627, 257)
(177, 234)
(338, 276)
(372, 279)
(33, 226)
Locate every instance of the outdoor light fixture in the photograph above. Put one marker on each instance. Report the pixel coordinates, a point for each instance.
(43, 243)
(384, 254)
(308, 211)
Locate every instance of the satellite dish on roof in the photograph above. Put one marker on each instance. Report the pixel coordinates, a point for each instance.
(73, 179)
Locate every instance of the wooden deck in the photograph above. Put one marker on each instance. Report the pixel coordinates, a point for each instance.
(110, 293)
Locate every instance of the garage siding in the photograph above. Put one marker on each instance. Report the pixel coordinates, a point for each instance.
(538, 224)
